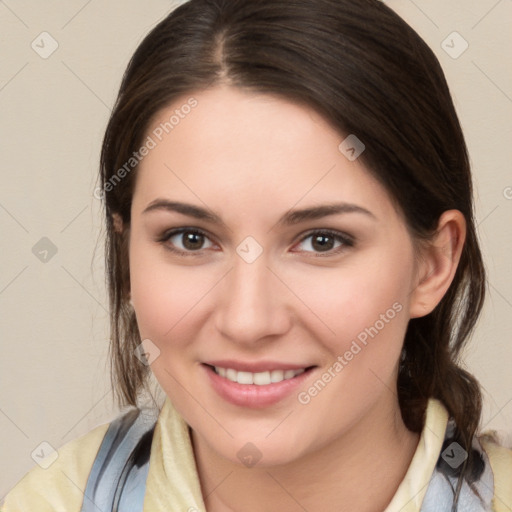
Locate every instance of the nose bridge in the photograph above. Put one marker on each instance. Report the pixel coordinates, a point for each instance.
(251, 305)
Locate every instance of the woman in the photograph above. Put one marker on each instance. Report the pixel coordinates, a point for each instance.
(291, 252)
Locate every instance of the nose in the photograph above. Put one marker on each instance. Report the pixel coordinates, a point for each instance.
(253, 304)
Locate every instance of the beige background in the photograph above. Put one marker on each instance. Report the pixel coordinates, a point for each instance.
(54, 382)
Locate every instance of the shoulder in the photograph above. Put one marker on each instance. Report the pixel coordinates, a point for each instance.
(489, 485)
(500, 460)
(58, 482)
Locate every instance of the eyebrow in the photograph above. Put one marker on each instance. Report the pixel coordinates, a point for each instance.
(290, 218)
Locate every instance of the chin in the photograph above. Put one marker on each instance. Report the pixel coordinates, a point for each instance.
(258, 451)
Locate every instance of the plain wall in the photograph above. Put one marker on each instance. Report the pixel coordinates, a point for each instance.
(54, 378)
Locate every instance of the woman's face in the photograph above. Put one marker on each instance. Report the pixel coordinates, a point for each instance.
(260, 282)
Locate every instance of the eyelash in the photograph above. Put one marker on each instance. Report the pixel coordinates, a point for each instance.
(345, 239)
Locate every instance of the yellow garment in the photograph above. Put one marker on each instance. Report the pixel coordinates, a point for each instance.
(173, 483)
(60, 487)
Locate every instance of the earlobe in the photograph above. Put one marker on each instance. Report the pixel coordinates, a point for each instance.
(438, 264)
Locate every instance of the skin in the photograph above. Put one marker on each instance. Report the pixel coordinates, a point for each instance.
(250, 158)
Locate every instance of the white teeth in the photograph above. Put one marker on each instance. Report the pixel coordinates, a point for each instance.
(276, 375)
(260, 378)
(288, 374)
(244, 377)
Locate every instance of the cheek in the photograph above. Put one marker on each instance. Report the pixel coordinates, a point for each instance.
(170, 300)
(361, 300)
(163, 301)
(161, 295)
(366, 312)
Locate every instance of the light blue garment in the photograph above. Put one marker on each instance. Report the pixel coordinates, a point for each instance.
(117, 481)
(440, 491)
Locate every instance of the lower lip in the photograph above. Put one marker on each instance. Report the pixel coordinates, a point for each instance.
(252, 395)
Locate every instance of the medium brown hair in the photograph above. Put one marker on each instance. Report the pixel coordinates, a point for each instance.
(359, 65)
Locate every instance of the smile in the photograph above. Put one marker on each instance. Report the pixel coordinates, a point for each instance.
(260, 378)
(255, 389)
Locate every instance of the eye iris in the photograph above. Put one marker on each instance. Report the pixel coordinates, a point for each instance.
(322, 244)
(190, 238)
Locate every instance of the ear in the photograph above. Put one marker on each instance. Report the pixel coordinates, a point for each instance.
(438, 263)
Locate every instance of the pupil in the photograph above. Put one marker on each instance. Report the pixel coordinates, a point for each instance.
(322, 244)
(190, 239)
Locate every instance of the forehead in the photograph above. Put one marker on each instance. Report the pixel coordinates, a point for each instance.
(255, 151)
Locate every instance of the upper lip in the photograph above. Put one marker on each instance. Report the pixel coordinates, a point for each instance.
(255, 367)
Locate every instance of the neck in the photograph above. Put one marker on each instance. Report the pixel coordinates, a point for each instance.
(360, 470)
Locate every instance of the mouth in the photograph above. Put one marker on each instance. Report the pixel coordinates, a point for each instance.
(259, 378)
(255, 389)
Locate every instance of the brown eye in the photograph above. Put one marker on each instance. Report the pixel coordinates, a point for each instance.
(192, 240)
(324, 241)
(185, 240)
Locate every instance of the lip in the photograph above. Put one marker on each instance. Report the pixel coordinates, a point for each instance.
(252, 395)
(255, 367)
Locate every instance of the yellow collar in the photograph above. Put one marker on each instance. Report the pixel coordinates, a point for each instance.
(173, 481)
(411, 491)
